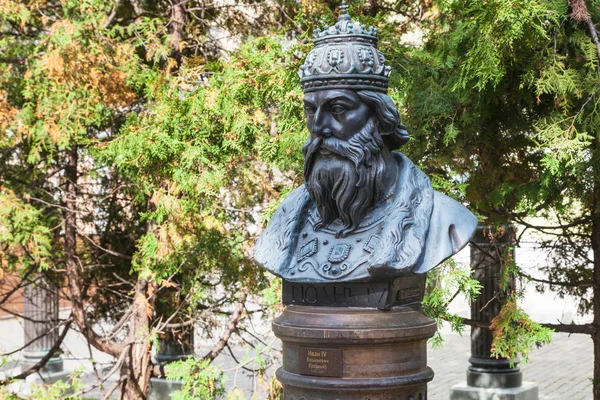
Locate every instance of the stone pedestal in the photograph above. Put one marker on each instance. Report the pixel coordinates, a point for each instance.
(527, 391)
(488, 377)
(352, 353)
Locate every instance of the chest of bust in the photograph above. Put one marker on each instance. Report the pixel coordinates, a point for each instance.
(321, 255)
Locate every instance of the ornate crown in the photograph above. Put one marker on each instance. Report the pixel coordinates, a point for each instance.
(345, 57)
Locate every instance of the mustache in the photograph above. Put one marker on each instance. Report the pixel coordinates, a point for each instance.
(309, 150)
(360, 148)
(354, 148)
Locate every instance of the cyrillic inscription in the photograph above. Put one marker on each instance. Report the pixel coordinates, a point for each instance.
(320, 362)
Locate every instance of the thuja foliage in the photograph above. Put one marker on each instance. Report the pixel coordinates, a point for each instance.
(503, 98)
(135, 164)
(515, 333)
(202, 139)
(444, 284)
(201, 380)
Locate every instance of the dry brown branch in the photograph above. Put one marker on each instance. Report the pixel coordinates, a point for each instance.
(177, 28)
(113, 14)
(70, 246)
(112, 371)
(594, 33)
(5, 296)
(581, 284)
(33, 340)
(40, 364)
(587, 329)
(231, 327)
(119, 325)
(579, 11)
(108, 251)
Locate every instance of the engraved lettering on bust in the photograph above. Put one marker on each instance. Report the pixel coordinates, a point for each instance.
(313, 297)
(380, 295)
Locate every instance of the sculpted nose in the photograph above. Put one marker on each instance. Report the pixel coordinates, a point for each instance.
(320, 127)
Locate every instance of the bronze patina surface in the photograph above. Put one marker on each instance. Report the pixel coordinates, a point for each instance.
(354, 242)
(381, 295)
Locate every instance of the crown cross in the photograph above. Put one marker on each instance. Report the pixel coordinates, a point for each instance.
(343, 15)
(344, 7)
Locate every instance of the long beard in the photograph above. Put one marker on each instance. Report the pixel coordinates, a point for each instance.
(348, 182)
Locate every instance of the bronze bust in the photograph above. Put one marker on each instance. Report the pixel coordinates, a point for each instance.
(365, 213)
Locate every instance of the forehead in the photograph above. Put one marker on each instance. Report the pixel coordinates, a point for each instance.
(323, 96)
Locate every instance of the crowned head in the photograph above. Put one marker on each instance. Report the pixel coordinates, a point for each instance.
(353, 122)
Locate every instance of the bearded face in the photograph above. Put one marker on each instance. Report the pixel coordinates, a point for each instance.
(345, 178)
(345, 167)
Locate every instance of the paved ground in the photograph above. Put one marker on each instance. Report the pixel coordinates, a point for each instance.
(562, 369)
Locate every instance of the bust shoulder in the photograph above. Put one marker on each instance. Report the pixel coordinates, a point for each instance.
(274, 246)
(451, 227)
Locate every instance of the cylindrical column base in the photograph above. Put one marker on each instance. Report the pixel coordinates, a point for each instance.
(335, 353)
(40, 309)
(31, 358)
(485, 378)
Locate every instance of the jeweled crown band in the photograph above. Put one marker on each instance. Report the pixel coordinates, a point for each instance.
(311, 85)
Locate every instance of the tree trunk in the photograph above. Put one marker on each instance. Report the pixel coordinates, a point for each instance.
(71, 260)
(177, 29)
(136, 368)
(136, 365)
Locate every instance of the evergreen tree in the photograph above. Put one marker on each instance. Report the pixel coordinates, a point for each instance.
(502, 101)
(134, 166)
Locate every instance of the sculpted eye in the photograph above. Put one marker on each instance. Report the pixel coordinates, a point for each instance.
(338, 109)
(310, 111)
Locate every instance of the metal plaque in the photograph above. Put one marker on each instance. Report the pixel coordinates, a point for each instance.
(320, 362)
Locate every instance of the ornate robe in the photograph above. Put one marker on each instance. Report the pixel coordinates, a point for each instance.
(411, 230)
